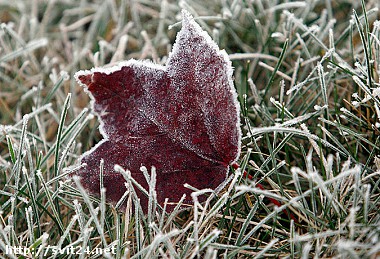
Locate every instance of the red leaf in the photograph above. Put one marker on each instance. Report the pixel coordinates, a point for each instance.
(182, 118)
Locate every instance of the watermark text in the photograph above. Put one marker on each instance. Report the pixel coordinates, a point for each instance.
(54, 250)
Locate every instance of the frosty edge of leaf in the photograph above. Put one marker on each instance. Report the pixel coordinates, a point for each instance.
(182, 118)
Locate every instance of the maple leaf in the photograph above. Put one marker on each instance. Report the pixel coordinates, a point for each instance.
(182, 118)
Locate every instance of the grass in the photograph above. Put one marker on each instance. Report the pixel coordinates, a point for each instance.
(307, 75)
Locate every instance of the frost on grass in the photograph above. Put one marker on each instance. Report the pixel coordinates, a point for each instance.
(182, 118)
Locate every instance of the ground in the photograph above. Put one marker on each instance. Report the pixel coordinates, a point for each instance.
(307, 78)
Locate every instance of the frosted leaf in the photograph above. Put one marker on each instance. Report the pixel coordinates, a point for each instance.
(182, 118)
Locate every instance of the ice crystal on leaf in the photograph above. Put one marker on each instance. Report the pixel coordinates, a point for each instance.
(182, 118)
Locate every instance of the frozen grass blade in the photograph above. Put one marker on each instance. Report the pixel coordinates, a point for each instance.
(209, 239)
(139, 238)
(79, 213)
(79, 123)
(266, 248)
(366, 89)
(29, 47)
(93, 212)
(246, 224)
(262, 130)
(59, 82)
(33, 194)
(66, 233)
(59, 134)
(280, 59)
(11, 150)
(18, 164)
(46, 190)
(29, 220)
